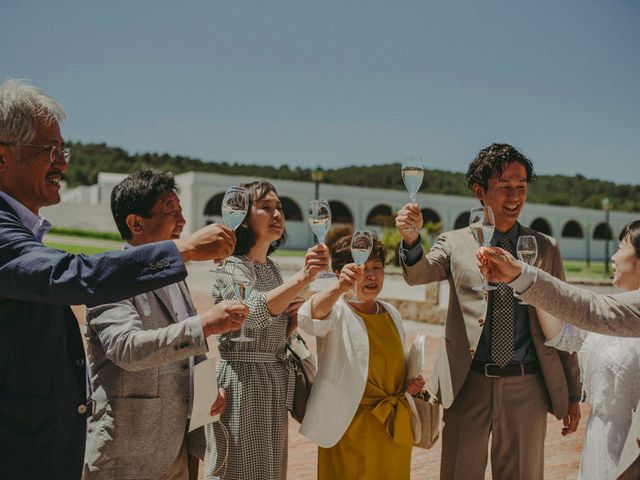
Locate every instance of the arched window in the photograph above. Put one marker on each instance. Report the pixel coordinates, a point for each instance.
(602, 232)
(380, 215)
(340, 213)
(462, 220)
(291, 209)
(214, 206)
(541, 225)
(572, 229)
(429, 215)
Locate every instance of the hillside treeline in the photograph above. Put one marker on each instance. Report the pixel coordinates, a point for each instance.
(89, 159)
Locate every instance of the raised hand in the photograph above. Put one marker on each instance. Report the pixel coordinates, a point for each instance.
(228, 315)
(349, 276)
(316, 260)
(213, 242)
(498, 265)
(409, 223)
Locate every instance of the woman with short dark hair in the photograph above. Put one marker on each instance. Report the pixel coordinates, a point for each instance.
(255, 376)
(359, 411)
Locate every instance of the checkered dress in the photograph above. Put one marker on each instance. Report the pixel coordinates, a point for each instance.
(258, 385)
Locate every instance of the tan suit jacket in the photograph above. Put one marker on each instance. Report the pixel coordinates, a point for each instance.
(452, 258)
(617, 314)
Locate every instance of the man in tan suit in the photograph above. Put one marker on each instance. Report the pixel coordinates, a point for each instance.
(493, 374)
(617, 314)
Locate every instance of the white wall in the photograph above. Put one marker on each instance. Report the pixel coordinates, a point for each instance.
(88, 207)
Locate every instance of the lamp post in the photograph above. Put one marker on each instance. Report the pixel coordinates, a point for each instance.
(317, 176)
(588, 245)
(606, 206)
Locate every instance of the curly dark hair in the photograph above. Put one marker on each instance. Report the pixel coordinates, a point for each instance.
(137, 194)
(492, 161)
(341, 253)
(633, 230)
(245, 237)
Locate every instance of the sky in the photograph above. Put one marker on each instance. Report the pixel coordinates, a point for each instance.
(339, 82)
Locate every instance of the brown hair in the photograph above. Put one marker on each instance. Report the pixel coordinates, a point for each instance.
(245, 237)
(341, 253)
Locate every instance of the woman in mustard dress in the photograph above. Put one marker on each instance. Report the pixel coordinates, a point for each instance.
(359, 410)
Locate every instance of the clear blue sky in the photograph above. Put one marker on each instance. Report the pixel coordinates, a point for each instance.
(338, 83)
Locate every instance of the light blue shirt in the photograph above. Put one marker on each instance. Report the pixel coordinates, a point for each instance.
(36, 223)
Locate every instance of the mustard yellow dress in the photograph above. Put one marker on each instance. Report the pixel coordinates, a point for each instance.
(377, 444)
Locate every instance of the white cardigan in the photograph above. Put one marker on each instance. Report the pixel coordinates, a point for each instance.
(343, 364)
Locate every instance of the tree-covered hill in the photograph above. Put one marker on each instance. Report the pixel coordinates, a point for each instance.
(89, 159)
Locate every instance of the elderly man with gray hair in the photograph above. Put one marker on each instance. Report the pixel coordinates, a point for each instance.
(43, 381)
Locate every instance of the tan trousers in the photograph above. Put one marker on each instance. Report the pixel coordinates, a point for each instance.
(513, 411)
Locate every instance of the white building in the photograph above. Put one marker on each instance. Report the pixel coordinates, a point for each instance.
(576, 229)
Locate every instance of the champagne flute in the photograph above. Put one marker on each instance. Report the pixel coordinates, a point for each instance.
(412, 175)
(527, 249)
(482, 223)
(243, 276)
(235, 205)
(320, 222)
(361, 245)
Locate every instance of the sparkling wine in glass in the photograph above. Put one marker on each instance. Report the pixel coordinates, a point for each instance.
(235, 205)
(361, 245)
(320, 222)
(243, 276)
(482, 223)
(412, 174)
(527, 249)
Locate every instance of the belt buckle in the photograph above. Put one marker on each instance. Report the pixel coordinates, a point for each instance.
(486, 373)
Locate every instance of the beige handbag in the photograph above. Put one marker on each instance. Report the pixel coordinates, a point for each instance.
(429, 414)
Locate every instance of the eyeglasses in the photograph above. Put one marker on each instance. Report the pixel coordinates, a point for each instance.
(56, 153)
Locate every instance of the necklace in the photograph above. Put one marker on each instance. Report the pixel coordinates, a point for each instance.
(360, 311)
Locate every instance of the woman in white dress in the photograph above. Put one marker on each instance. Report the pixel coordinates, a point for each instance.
(609, 367)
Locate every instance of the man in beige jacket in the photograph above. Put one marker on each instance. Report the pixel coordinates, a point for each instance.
(493, 374)
(617, 314)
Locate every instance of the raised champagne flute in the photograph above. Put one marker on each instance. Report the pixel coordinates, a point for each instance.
(482, 223)
(243, 276)
(320, 222)
(235, 205)
(361, 245)
(412, 175)
(527, 250)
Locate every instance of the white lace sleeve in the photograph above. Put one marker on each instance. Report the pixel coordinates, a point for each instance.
(570, 338)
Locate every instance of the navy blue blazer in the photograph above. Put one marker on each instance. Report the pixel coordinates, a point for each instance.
(42, 362)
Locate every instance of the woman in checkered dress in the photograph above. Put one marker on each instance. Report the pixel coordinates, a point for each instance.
(258, 384)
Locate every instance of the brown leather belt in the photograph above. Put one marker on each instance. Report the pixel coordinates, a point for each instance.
(494, 370)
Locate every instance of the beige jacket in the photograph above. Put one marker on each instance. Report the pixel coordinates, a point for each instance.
(452, 258)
